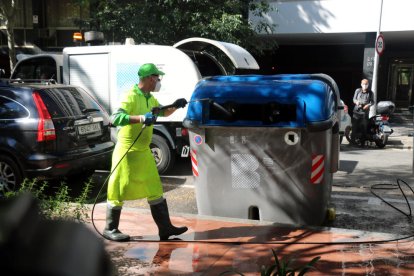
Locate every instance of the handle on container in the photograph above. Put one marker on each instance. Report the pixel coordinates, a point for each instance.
(221, 109)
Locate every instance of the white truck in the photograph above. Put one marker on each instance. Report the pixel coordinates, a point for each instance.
(109, 70)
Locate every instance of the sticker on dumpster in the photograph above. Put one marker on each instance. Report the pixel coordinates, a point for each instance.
(244, 173)
(198, 139)
(268, 162)
(318, 168)
(194, 163)
(235, 139)
(291, 138)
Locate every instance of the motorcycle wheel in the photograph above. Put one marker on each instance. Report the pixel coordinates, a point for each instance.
(382, 142)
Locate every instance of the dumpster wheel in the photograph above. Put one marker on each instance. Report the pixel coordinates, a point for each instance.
(331, 214)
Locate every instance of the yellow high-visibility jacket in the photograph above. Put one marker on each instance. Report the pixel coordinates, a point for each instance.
(136, 175)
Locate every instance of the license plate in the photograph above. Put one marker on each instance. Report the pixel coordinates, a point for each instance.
(90, 128)
(386, 129)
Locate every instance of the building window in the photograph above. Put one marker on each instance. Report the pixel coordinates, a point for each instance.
(23, 15)
(65, 13)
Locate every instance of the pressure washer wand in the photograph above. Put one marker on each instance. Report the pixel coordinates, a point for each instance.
(156, 110)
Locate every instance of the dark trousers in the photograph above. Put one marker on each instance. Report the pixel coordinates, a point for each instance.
(359, 126)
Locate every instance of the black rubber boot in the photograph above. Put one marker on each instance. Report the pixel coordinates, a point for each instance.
(111, 231)
(162, 219)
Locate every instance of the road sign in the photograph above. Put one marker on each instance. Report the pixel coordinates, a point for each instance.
(380, 45)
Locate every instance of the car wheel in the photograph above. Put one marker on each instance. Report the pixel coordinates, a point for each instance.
(163, 155)
(10, 174)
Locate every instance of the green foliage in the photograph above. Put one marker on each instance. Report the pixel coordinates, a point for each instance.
(8, 12)
(282, 267)
(168, 21)
(8, 9)
(60, 205)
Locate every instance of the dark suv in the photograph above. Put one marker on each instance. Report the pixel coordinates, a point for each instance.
(49, 131)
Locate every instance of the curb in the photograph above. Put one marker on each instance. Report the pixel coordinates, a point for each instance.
(394, 143)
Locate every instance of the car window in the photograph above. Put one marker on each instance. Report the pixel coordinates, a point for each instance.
(10, 109)
(67, 101)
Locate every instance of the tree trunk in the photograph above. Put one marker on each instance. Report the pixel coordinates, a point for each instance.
(10, 43)
(8, 13)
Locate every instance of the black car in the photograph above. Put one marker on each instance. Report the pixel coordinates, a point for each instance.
(48, 131)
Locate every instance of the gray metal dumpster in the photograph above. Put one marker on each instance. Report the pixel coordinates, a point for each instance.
(264, 147)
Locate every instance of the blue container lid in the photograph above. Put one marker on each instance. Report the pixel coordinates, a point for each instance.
(258, 100)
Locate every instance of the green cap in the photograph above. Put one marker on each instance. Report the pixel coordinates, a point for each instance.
(149, 69)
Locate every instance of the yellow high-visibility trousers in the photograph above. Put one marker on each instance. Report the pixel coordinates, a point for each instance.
(135, 177)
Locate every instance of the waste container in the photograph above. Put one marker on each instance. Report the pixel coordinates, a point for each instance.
(264, 147)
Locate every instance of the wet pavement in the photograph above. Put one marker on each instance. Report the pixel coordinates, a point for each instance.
(214, 245)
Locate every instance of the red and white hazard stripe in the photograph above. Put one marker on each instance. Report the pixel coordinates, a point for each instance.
(194, 163)
(318, 168)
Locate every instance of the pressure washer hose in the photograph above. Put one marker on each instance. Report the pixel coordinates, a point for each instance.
(248, 242)
(384, 186)
(107, 179)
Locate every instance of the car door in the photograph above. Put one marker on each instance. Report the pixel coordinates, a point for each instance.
(14, 123)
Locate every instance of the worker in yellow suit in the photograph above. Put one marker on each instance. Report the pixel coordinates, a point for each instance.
(135, 175)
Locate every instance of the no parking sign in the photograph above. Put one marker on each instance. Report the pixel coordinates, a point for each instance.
(380, 45)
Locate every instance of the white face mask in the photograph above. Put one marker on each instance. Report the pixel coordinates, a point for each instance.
(364, 86)
(157, 87)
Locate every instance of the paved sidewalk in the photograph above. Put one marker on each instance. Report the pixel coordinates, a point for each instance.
(214, 245)
(401, 137)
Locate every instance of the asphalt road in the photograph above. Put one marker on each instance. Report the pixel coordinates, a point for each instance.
(361, 172)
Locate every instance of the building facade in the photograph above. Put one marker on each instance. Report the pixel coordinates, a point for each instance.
(49, 24)
(338, 37)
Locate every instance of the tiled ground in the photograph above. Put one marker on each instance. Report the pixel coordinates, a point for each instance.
(215, 245)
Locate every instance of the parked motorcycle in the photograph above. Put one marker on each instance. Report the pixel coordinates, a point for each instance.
(378, 128)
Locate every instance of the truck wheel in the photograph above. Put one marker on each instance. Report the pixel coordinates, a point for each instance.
(163, 155)
(10, 175)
